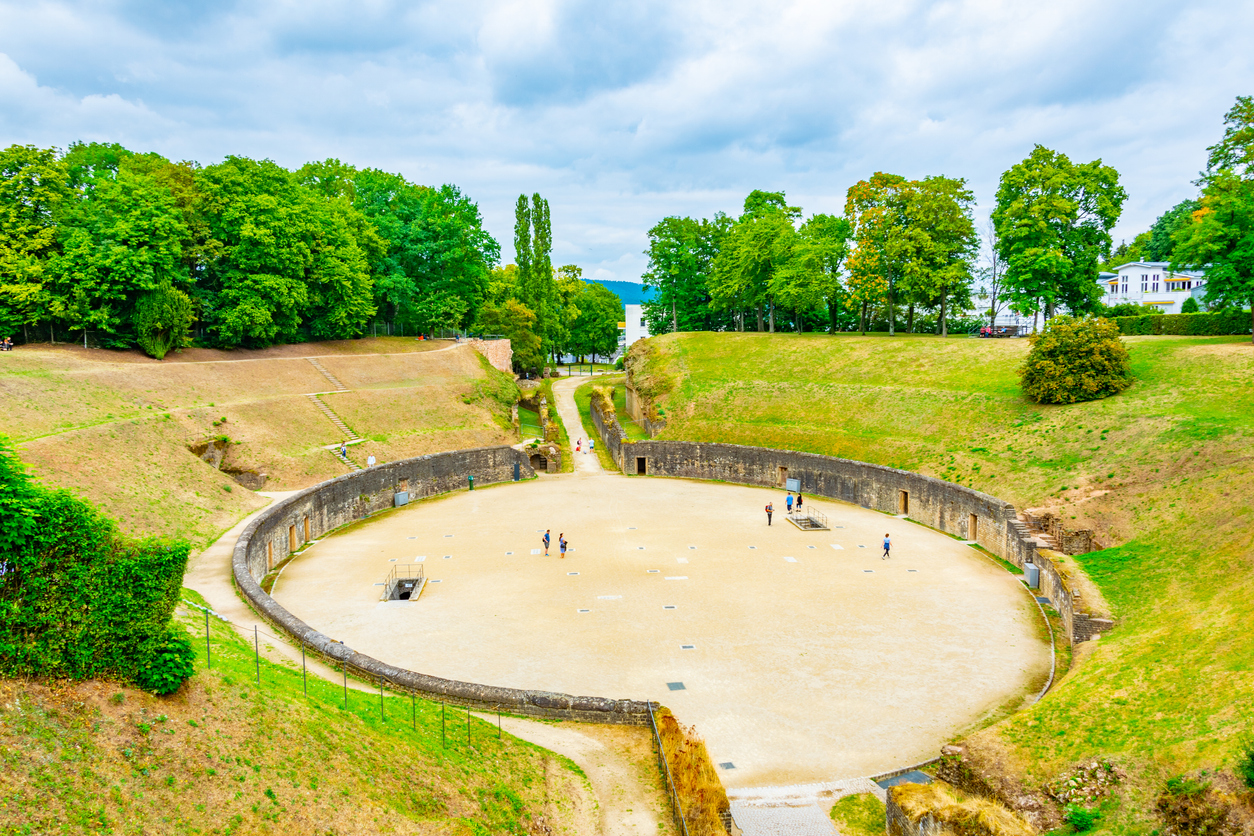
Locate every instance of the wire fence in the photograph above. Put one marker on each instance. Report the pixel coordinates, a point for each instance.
(304, 673)
(677, 813)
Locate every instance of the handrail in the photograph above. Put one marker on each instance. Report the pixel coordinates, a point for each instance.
(677, 810)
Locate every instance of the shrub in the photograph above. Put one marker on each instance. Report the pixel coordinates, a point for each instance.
(162, 319)
(169, 664)
(1188, 805)
(1214, 324)
(1189, 306)
(1245, 762)
(1076, 360)
(1081, 819)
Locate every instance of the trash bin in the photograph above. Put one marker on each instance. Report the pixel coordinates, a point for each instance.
(1032, 574)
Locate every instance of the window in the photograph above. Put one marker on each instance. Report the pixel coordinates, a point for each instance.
(1144, 283)
(1155, 286)
(1125, 286)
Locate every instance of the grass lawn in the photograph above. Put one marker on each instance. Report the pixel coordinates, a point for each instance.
(583, 400)
(224, 755)
(114, 427)
(859, 815)
(1163, 473)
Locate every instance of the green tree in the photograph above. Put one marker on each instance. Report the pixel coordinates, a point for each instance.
(876, 210)
(33, 185)
(1076, 360)
(120, 239)
(595, 329)
(1162, 233)
(512, 319)
(756, 249)
(681, 257)
(811, 276)
(1219, 236)
(1189, 306)
(939, 245)
(1053, 220)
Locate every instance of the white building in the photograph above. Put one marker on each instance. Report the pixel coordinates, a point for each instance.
(635, 327)
(1151, 283)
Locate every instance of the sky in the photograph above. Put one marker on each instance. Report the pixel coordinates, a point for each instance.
(623, 113)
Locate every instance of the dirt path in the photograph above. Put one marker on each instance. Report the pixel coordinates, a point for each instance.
(618, 761)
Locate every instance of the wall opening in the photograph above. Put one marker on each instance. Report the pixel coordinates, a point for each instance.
(783, 476)
(291, 538)
(269, 555)
(642, 467)
(973, 527)
(307, 537)
(538, 462)
(903, 503)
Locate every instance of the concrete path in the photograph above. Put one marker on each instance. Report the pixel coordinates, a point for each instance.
(586, 463)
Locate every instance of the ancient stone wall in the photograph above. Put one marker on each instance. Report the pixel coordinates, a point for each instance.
(312, 513)
(953, 509)
(899, 822)
(500, 353)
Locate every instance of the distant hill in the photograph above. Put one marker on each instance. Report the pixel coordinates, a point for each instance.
(632, 293)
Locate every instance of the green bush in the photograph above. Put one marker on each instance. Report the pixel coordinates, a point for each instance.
(162, 320)
(169, 664)
(1245, 762)
(1218, 323)
(78, 599)
(1081, 819)
(1076, 360)
(1189, 306)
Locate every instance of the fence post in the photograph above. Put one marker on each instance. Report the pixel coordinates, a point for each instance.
(257, 652)
(443, 716)
(382, 718)
(498, 724)
(414, 700)
(345, 670)
(467, 727)
(208, 655)
(304, 677)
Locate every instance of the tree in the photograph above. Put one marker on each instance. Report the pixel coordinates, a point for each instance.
(595, 330)
(533, 243)
(513, 320)
(1076, 360)
(754, 251)
(1161, 234)
(877, 213)
(811, 278)
(681, 257)
(938, 244)
(992, 273)
(162, 319)
(119, 241)
(1053, 220)
(1189, 306)
(1219, 237)
(33, 184)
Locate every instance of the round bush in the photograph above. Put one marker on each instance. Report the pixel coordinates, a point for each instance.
(1189, 306)
(170, 664)
(1076, 360)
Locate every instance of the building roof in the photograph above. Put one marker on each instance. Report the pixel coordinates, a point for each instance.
(1161, 265)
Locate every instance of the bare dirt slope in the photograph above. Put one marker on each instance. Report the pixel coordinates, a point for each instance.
(116, 427)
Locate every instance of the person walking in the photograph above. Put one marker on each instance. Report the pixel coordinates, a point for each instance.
(591, 444)
(798, 502)
(561, 544)
(578, 445)
(888, 544)
(770, 509)
(788, 502)
(343, 449)
(546, 542)
(370, 460)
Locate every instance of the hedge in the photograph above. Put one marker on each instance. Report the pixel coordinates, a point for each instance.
(77, 598)
(1230, 321)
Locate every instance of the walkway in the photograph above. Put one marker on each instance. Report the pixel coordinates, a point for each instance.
(564, 394)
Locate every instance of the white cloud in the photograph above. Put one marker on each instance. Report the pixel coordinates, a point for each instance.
(623, 113)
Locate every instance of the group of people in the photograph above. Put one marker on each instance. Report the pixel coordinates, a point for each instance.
(7, 345)
(591, 445)
(770, 509)
(562, 543)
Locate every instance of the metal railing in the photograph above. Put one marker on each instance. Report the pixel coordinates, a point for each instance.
(406, 576)
(810, 519)
(677, 810)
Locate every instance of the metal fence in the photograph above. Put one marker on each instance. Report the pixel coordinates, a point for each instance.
(404, 578)
(677, 810)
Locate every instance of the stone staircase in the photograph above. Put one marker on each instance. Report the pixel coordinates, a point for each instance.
(1043, 540)
(332, 379)
(349, 436)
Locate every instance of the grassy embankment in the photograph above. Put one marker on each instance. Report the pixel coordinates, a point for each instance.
(224, 756)
(1163, 472)
(583, 399)
(114, 427)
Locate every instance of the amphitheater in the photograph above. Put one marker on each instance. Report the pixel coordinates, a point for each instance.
(801, 656)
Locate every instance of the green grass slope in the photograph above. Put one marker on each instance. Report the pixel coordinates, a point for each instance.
(226, 756)
(114, 427)
(1164, 473)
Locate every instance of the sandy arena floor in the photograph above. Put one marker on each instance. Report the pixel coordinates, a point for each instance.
(799, 656)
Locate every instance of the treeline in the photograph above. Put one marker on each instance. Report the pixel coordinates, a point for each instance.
(135, 250)
(905, 253)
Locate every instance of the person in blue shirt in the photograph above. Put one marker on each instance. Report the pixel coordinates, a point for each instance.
(788, 502)
(887, 545)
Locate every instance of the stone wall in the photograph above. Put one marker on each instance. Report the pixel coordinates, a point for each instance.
(1079, 541)
(899, 823)
(312, 513)
(941, 505)
(500, 353)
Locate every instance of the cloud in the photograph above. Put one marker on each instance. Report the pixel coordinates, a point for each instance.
(623, 113)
